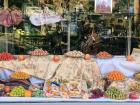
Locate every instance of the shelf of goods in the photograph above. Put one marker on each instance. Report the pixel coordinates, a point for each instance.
(72, 77)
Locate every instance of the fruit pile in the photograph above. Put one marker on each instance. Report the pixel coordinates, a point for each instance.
(115, 93)
(38, 52)
(115, 76)
(17, 91)
(103, 55)
(5, 56)
(96, 93)
(20, 75)
(74, 54)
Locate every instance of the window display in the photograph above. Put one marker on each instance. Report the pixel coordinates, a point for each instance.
(69, 49)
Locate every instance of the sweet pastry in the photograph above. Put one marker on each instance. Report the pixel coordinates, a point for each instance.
(115, 75)
(38, 52)
(103, 54)
(20, 75)
(115, 93)
(5, 56)
(74, 88)
(74, 54)
(17, 91)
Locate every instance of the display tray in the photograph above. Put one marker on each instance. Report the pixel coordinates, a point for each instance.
(55, 100)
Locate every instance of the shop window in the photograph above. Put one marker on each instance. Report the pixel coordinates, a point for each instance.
(112, 29)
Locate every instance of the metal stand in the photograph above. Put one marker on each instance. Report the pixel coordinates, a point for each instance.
(6, 36)
(129, 37)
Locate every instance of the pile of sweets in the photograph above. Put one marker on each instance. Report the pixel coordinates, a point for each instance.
(38, 52)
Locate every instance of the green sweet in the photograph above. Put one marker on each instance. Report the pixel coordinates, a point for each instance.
(38, 93)
(17, 91)
(114, 93)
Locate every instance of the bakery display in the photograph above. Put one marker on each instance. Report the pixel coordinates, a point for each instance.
(115, 75)
(38, 52)
(74, 75)
(103, 55)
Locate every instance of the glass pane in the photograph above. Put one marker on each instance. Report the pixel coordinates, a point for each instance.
(28, 35)
(111, 28)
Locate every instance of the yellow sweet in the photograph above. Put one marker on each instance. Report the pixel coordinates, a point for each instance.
(115, 75)
(19, 75)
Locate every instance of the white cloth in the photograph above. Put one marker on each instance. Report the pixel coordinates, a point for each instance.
(105, 65)
(118, 63)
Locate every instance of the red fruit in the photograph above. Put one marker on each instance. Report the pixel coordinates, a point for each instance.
(87, 57)
(56, 58)
(21, 57)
